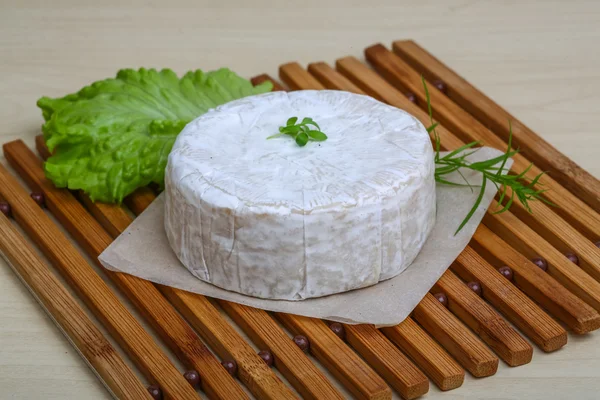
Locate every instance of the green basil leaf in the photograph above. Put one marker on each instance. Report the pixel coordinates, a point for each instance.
(302, 139)
(292, 130)
(317, 136)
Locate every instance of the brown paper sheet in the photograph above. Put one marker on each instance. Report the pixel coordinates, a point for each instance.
(143, 250)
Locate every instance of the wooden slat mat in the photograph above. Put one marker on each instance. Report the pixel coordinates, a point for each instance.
(485, 317)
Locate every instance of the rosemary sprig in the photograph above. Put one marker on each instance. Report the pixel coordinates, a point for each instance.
(508, 185)
(301, 132)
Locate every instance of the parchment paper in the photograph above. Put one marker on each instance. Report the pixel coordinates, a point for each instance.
(143, 250)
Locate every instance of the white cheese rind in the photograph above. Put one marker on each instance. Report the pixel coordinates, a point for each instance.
(270, 219)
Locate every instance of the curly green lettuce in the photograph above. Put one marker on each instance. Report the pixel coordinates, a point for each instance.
(115, 135)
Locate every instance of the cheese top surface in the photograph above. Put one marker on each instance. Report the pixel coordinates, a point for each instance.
(372, 150)
(269, 218)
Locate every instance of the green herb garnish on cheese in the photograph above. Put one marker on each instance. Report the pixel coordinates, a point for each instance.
(115, 135)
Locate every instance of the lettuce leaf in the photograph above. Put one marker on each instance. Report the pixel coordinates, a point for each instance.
(115, 135)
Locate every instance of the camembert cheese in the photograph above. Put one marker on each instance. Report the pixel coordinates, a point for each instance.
(271, 219)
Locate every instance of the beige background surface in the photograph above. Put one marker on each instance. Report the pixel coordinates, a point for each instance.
(538, 59)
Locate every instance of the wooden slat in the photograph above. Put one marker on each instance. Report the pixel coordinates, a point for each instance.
(257, 80)
(104, 213)
(41, 147)
(93, 290)
(485, 321)
(506, 298)
(426, 353)
(140, 199)
(467, 128)
(577, 281)
(331, 79)
(418, 346)
(293, 75)
(70, 318)
(541, 287)
(543, 154)
(387, 360)
(331, 351)
(175, 332)
(561, 235)
(298, 369)
(527, 241)
(465, 347)
(228, 344)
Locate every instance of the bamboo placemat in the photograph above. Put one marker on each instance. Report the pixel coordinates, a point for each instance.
(483, 316)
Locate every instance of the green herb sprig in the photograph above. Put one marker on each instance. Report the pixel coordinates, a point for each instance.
(489, 169)
(301, 132)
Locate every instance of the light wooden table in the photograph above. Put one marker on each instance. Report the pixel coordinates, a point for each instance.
(538, 59)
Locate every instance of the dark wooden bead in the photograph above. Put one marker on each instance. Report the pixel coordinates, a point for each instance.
(38, 198)
(440, 85)
(155, 392)
(5, 208)
(193, 377)
(302, 342)
(475, 286)
(442, 298)
(573, 258)
(411, 97)
(338, 329)
(230, 366)
(541, 263)
(507, 272)
(266, 356)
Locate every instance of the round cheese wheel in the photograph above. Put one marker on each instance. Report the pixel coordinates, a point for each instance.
(270, 219)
